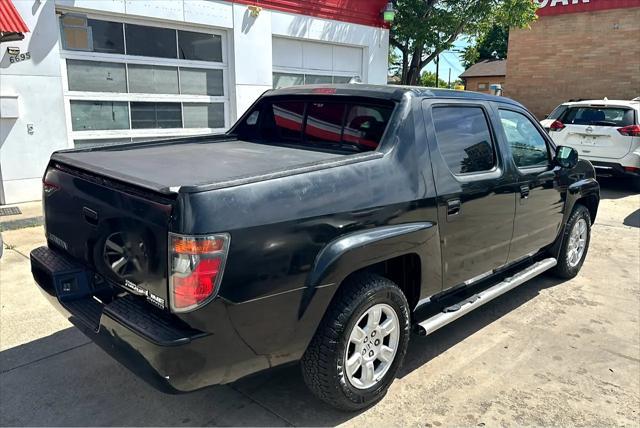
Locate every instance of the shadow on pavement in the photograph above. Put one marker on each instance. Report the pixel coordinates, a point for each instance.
(616, 188)
(632, 219)
(84, 386)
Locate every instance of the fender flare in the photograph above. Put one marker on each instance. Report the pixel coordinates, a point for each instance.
(352, 252)
(575, 192)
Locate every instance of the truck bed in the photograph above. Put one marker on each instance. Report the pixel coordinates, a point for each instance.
(167, 167)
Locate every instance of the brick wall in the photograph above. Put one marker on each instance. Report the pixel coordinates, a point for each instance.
(578, 55)
(471, 83)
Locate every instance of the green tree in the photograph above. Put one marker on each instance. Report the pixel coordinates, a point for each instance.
(423, 29)
(492, 44)
(428, 78)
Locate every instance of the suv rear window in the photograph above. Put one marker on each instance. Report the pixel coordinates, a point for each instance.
(320, 124)
(598, 116)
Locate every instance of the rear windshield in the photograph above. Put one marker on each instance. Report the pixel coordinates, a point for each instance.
(331, 124)
(598, 116)
(557, 112)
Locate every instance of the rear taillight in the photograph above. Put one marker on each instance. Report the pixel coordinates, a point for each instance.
(556, 126)
(632, 169)
(196, 264)
(630, 131)
(49, 188)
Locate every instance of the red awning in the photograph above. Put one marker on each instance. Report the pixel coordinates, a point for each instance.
(10, 20)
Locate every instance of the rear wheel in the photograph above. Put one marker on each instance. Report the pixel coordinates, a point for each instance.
(575, 243)
(360, 344)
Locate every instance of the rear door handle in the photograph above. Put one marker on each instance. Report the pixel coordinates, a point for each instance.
(524, 192)
(453, 207)
(90, 216)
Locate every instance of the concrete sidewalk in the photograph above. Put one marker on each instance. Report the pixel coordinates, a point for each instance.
(547, 353)
(30, 215)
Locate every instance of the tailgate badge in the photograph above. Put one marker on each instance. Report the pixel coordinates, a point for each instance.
(135, 288)
(151, 298)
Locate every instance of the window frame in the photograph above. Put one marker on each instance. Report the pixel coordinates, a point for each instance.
(497, 170)
(126, 59)
(551, 148)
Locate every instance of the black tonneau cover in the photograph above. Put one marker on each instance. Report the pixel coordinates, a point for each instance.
(166, 167)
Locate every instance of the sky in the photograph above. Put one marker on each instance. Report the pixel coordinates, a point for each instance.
(450, 60)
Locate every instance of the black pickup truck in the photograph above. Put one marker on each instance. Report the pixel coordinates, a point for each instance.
(327, 224)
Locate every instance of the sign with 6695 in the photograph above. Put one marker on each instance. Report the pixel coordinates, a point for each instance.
(19, 57)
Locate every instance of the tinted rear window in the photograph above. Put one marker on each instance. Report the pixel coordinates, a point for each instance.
(320, 124)
(464, 139)
(557, 112)
(598, 116)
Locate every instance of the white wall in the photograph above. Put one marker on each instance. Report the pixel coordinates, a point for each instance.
(375, 41)
(37, 84)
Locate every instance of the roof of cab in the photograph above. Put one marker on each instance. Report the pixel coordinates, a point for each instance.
(388, 92)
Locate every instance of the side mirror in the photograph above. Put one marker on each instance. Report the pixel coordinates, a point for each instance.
(566, 157)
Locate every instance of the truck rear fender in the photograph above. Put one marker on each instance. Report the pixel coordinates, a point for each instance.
(359, 250)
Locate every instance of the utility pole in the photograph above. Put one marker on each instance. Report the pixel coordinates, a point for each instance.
(437, 69)
(449, 78)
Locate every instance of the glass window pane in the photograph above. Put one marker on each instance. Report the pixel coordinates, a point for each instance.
(284, 121)
(96, 76)
(199, 46)
(324, 122)
(311, 79)
(99, 115)
(464, 139)
(527, 145)
(71, 20)
(107, 36)
(153, 79)
(151, 41)
(283, 80)
(599, 116)
(341, 79)
(203, 115)
(199, 81)
(76, 38)
(365, 125)
(155, 115)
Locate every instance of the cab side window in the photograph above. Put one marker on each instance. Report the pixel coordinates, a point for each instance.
(528, 147)
(464, 139)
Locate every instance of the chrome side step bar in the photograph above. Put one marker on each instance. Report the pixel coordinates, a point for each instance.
(456, 311)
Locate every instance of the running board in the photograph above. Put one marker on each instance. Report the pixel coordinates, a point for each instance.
(456, 311)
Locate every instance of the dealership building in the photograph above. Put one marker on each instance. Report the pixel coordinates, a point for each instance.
(577, 49)
(79, 73)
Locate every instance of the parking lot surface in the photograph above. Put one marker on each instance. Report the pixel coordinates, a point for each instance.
(547, 353)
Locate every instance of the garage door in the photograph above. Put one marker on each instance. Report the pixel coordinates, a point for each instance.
(297, 62)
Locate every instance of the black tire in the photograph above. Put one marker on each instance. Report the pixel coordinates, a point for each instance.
(564, 269)
(323, 362)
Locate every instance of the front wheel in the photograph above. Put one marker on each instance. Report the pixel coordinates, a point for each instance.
(360, 344)
(575, 243)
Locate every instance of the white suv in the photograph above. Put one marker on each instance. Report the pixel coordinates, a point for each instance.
(605, 132)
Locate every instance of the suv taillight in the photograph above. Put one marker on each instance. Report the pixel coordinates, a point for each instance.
(196, 264)
(630, 131)
(556, 126)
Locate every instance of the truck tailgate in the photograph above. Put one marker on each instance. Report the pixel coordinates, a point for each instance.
(118, 230)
